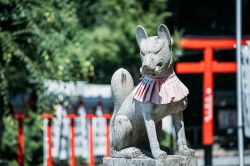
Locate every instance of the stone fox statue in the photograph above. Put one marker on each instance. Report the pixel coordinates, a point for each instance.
(137, 119)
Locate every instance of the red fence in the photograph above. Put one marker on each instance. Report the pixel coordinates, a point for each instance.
(21, 147)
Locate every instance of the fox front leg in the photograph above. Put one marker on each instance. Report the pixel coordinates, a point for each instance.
(152, 136)
(181, 137)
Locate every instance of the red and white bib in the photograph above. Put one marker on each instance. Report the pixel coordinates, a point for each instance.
(161, 90)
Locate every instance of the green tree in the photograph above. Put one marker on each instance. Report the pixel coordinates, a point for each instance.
(67, 40)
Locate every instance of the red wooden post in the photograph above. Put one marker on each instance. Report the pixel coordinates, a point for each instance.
(20, 138)
(72, 138)
(208, 66)
(208, 92)
(49, 137)
(107, 117)
(91, 146)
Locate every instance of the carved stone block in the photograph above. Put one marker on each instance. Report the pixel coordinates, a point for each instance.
(171, 160)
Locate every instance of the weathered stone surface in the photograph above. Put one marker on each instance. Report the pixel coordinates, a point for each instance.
(172, 160)
(136, 122)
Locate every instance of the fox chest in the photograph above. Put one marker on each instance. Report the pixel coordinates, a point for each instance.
(159, 111)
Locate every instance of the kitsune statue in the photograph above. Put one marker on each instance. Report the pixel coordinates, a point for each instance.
(136, 123)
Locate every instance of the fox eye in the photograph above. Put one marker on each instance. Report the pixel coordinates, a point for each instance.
(158, 51)
(142, 53)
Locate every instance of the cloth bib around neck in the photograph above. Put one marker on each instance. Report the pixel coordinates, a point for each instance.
(161, 90)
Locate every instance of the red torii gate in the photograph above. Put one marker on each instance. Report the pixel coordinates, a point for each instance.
(208, 67)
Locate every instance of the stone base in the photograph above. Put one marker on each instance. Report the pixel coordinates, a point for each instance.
(172, 160)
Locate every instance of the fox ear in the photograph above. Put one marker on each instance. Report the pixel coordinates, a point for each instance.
(163, 33)
(140, 34)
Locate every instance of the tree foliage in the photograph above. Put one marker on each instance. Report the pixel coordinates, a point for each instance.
(71, 40)
(67, 40)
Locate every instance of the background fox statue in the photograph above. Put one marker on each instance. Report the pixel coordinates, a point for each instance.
(136, 123)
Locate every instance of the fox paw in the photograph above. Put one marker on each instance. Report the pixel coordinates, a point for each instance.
(185, 151)
(159, 154)
(134, 153)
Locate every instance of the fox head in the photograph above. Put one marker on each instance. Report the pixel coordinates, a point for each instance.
(155, 52)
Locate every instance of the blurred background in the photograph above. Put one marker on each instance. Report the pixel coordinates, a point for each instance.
(58, 56)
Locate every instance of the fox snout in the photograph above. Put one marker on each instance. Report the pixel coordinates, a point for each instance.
(152, 67)
(149, 67)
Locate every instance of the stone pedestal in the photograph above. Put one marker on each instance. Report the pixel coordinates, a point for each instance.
(172, 160)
